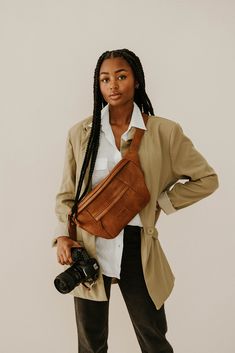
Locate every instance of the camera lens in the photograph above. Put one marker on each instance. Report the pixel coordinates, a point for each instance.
(65, 282)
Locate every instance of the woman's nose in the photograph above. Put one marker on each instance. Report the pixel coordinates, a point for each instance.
(113, 84)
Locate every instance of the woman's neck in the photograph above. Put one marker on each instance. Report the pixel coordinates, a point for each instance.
(121, 115)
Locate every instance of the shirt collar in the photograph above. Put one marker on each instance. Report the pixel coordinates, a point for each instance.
(136, 121)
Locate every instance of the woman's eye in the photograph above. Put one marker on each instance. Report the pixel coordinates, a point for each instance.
(104, 80)
(122, 77)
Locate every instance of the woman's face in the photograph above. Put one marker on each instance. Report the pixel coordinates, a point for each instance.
(117, 82)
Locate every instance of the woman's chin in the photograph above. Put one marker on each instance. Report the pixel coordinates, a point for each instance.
(119, 102)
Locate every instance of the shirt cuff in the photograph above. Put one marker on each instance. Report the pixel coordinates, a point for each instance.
(165, 203)
(61, 229)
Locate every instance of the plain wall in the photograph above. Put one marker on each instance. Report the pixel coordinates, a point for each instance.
(49, 50)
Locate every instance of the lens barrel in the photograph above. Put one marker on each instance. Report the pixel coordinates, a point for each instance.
(67, 280)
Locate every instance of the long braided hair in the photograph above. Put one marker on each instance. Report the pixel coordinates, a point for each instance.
(140, 98)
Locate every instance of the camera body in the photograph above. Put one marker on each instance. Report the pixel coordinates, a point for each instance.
(83, 270)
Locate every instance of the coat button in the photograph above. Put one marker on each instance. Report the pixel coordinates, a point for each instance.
(150, 231)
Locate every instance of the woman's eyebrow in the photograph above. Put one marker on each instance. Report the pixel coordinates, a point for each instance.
(106, 73)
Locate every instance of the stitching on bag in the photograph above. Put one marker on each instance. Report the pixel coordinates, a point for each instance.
(115, 199)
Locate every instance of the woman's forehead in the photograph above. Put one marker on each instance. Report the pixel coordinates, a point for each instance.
(114, 64)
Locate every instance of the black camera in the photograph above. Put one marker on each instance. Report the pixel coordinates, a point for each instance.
(83, 270)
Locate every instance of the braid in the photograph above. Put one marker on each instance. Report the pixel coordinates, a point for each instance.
(140, 98)
(93, 142)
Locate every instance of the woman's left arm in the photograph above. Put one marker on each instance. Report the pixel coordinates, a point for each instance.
(187, 163)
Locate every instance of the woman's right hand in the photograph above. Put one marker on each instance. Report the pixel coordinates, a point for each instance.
(64, 245)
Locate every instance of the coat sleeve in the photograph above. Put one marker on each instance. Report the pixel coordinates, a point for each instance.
(187, 163)
(66, 194)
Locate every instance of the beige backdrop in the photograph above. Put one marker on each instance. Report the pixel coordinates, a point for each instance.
(49, 50)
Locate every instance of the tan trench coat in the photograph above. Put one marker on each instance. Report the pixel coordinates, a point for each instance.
(166, 156)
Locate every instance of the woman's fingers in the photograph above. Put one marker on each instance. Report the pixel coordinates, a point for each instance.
(64, 257)
(61, 259)
(61, 256)
(64, 245)
(68, 257)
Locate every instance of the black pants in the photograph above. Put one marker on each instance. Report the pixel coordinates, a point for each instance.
(150, 324)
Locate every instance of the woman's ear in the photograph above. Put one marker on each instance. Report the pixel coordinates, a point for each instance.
(137, 85)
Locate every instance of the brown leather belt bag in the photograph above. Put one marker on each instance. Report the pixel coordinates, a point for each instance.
(114, 201)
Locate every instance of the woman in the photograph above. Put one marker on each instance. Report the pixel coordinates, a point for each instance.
(134, 259)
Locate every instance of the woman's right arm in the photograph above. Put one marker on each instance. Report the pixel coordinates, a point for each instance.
(64, 202)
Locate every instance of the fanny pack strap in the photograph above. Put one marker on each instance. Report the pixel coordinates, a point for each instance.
(134, 146)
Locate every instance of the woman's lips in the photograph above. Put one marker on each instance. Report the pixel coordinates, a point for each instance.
(115, 95)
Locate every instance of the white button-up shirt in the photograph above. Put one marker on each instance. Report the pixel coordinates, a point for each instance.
(109, 251)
